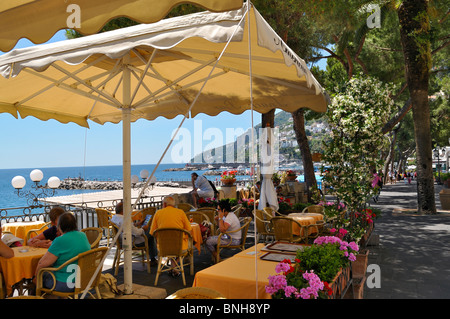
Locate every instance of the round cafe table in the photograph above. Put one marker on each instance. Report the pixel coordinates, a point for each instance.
(20, 229)
(22, 265)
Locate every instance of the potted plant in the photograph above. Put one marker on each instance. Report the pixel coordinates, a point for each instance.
(284, 205)
(315, 272)
(208, 202)
(276, 179)
(291, 175)
(228, 178)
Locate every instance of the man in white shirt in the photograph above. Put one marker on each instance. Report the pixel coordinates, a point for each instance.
(201, 188)
(138, 233)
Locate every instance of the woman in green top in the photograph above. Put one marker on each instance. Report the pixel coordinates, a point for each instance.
(68, 245)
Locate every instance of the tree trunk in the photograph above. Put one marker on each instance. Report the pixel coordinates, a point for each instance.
(415, 38)
(302, 140)
(268, 118)
(390, 157)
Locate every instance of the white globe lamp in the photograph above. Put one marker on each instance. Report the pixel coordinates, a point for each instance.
(36, 175)
(18, 182)
(144, 174)
(53, 182)
(134, 179)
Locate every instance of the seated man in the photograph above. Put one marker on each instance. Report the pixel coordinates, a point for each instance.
(45, 239)
(137, 234)
(171, 217)
(201, 188)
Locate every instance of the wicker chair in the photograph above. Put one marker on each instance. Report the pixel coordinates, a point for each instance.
(103, 217)
(186, 207)
(170, 245)
(94, 235)
(241, 245)
(199, 217)
(282, 227)
(264, 227)
(87, 265)
(148, 211)
(119, 249)
(237, 210)
(211, 213)
(314, 209)
(2, 287)
(271, 212)
(34, 232)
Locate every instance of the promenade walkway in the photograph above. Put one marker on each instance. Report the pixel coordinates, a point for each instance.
(413, 252)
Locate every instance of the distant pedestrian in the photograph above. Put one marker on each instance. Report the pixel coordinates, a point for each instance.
(377, 184)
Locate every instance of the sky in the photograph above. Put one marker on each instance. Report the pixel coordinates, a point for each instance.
(32, 143)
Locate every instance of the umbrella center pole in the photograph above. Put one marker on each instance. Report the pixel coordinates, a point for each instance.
(126, 122)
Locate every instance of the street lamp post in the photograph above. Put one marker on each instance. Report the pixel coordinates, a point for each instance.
(37, 192)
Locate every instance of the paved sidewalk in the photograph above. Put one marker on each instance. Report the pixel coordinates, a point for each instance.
(413, 252)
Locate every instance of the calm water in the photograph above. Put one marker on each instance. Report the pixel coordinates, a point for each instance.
(9, 198)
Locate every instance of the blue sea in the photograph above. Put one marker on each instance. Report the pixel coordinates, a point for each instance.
(9, 198)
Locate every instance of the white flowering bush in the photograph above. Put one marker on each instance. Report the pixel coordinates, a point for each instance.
(356, 117)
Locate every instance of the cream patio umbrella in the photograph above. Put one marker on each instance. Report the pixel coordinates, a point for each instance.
(171, 67)
(38, 20)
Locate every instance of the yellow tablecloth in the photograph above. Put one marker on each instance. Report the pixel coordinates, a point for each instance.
(238, 277)
(22, 265)
(306, 219)
(20, 229)
(197, 236)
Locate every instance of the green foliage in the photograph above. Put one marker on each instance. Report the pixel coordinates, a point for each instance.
(356, 117)
(325, 260)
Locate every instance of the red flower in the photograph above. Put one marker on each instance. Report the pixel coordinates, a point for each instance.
(328, 288)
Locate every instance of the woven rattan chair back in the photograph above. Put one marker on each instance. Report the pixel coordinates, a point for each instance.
(186, 207)
(94, 235)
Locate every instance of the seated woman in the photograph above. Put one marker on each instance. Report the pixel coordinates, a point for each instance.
(71, 243)
(227, 221)
(45, 238)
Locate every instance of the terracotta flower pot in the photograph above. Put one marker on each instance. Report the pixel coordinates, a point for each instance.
(291, 178)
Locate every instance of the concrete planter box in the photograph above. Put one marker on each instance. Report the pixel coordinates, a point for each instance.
(444, 196)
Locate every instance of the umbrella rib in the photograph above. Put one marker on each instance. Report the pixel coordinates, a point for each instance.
(151, 99)
(141, 78)
(203, 65)
(79, 80)
(69, 88)
(244, 72)
(111, 74)
(58, 82)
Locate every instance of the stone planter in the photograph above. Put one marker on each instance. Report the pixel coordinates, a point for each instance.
(228, 182)
(444, 197)
(359, 266)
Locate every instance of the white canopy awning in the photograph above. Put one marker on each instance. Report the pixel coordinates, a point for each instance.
(38, 20)
(79, 79)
